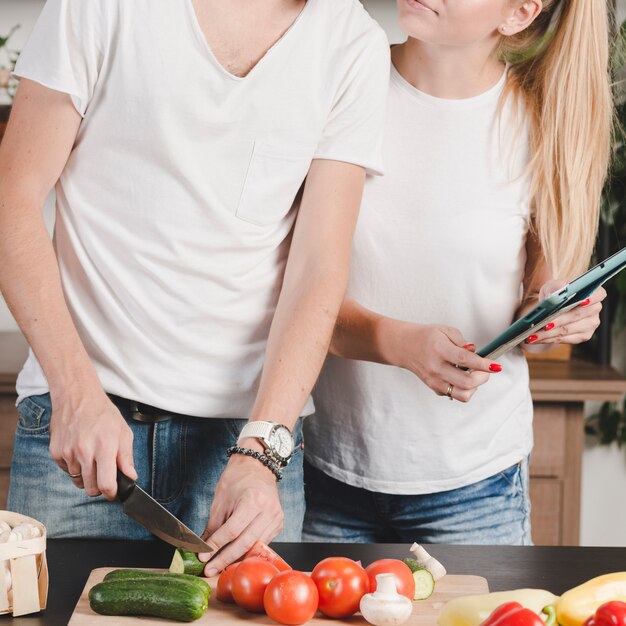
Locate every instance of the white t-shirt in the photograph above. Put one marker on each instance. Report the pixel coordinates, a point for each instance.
(440, 240)
(175, 207)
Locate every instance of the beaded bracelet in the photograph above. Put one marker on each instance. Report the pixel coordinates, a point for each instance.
(259, 457)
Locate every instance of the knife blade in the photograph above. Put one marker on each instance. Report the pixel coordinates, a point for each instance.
(144, 509)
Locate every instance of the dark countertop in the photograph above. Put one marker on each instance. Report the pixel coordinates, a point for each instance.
(552, 568)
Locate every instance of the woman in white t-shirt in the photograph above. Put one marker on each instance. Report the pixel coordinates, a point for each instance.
(493, 181)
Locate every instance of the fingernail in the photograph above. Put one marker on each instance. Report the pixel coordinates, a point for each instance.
(549, 326)
(585, 302)
(532, 339)
(469, 346)
(212, 572)
(204, 556)
(495, 367)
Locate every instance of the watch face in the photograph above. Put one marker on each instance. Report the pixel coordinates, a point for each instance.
(281, 441)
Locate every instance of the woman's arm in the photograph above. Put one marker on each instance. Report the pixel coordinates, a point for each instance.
(575, 326)
(431, 352)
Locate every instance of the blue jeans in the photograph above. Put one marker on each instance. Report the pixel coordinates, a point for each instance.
(179, 462)
(492, 511)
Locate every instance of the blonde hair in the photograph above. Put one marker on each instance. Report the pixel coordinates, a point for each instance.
(560, 68)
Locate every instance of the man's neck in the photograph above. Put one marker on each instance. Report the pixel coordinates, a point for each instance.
(239, 34)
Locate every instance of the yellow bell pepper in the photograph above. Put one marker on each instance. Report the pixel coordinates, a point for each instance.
(580, 603)
(473, 610)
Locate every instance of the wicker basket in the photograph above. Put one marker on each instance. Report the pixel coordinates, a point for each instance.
(28, 567)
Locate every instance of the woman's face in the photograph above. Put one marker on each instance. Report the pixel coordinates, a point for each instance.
(454, 22)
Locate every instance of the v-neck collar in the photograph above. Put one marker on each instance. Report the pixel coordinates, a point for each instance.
(195, 23)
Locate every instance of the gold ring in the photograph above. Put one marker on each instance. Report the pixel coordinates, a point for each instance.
(74, 475)
(449, 392)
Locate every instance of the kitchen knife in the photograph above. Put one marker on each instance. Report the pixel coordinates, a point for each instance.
(158, 520)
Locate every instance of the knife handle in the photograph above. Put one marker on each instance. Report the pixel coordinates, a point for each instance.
(125, 486)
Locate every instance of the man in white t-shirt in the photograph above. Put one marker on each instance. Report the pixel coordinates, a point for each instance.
(178, 135)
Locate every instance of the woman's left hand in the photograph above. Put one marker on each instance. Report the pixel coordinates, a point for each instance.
(575, 326)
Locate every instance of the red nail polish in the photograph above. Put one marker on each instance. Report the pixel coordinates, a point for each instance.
(532, 339)
(469, 346)
(585, 302)
(549, 326)
(495, 367)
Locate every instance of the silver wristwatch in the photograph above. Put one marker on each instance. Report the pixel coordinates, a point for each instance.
(276, 439)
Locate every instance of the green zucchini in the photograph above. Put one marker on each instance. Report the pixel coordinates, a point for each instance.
(156, 597)
(186, 562)
(119, 574)
(424, 581)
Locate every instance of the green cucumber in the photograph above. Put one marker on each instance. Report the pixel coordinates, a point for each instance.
(156, 597)
(185, 562)
(424, 581)
(119, 574)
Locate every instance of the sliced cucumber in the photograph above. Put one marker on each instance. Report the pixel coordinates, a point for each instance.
(424, 581)
(185, 562)
(424, 584)
(134, 574)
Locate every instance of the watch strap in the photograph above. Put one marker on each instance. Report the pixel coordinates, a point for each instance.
(257, 429)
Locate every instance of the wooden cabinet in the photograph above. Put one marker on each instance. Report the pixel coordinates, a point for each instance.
(13, 351)
(559, 390)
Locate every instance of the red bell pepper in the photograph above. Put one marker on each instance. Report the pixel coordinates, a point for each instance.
(609, 614)
(514, 614)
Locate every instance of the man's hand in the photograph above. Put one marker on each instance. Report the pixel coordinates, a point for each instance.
(575, 326)
(246, 508)
(89, 439)
(432, 353)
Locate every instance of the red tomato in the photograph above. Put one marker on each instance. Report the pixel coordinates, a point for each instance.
(291, 597)
(405, 583)
(341, 583)
(224, 584)
(249, 581)
(263, 551)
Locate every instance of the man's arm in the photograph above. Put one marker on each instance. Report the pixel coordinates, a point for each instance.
(87, 432)
(246, 505)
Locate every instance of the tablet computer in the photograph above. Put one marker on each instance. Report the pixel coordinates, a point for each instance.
(561, 301)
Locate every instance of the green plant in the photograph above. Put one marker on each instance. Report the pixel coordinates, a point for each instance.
(7, 83)
(609, 423)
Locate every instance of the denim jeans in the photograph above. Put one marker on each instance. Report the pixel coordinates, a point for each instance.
(179, 462)
(493, 511)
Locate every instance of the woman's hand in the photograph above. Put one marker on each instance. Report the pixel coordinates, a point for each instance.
(432, 353)
(575, 326)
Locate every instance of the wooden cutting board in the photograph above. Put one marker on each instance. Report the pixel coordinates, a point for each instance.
(425, 612)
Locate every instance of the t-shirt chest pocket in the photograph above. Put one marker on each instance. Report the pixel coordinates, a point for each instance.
(275, 174)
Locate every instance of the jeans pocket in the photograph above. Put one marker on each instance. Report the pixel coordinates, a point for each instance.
(513, 476)
(34, 415)
(297, 434)
(233, 428)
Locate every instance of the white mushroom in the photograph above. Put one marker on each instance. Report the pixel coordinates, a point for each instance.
(4, 526)
(425, 560)
(27, 530)
(385, 607)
